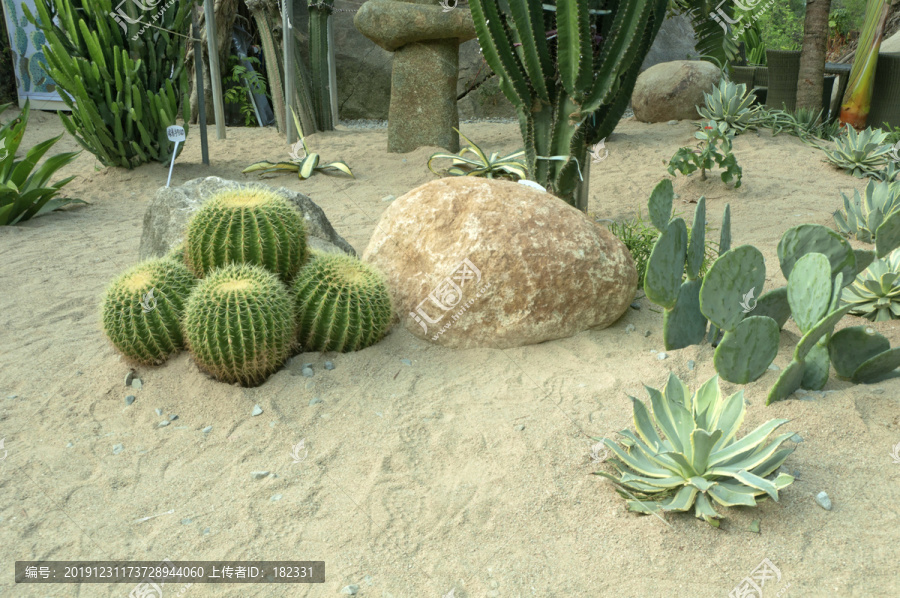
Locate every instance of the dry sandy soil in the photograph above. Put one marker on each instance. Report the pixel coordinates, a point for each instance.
(419, 478)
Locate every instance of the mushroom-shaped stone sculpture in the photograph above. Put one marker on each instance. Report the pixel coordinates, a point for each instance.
(424, 38)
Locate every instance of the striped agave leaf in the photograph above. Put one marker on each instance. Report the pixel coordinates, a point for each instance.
(875, 294)
(686, 454)
(511, 166)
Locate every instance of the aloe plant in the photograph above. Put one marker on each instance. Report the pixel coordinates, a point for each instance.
(491, 166)
(686, 453)
(570, 90)
(23, 194)
(864, 214)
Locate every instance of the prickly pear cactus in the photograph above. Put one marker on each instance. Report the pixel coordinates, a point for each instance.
(142, 310)
(862, 355)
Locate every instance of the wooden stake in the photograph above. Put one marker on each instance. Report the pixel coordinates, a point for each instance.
(215, 75)
(201, 95)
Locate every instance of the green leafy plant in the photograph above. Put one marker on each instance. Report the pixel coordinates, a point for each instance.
(511, 166)
(875, 294)
(708, 155)
(730, 104)
(23, 194)
(864, 154)
(305, 164)
(864, 214)
(570, 88)
(686, 453)
(754, 45)
(123, 87)
(714, 43)
(241, 82)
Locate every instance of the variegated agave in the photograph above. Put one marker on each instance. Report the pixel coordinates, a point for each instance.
(695, 458)
(864, 215)
(731, 104)
(863, 154)
(491, 166)
(875, 294)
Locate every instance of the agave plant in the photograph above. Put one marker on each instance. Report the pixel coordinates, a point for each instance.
(875, 294)
(511, 166)
(23, 194)
(686, 453)
(863, 154)
(862, 216)
(305, 166)
(730, 103)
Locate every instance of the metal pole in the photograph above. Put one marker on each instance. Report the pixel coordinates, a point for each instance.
(332, 72)
(201, 99)
(215, 75)
(287, 15)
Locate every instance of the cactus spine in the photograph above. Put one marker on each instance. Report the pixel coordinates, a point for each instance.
(239, 324)
(142, 310)
(252, 226)
(342, 304)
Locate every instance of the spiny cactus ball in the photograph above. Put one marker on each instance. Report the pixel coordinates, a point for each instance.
(142, 310)
(246, 226)
(239, 324)
(342, 304)
(176, 253)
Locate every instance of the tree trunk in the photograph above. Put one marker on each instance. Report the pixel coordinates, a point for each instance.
(226, 11)
(812, 56)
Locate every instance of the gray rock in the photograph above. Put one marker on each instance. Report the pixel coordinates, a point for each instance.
(207, 430)
(129, 399)
(307, 372)
(173, 417)
(405, 361)
(773, 367)
(387, 198)
(129, 377)
(205, 531)
(520, 427)
(329, 365)
(257, 410)
(823, 501)
(673, 122)
(137, 384)
(307, 365)
(70, 445)
(159, 411)
(673, 90)
(314, 401)
(796, 438)
(118, 449)
(675, 41)
(629, 328)
(691, 364)
(187, 521)
(352, 589)
(167, 215)
(662, 356)
(163, 424)
(275, 497)
(647, 334)
(636, 305)
(12, 396)
(258, 475)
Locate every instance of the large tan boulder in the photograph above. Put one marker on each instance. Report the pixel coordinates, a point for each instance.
(673, 90)
(474, 262)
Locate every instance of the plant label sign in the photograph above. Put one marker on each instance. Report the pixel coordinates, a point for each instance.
(176, 134)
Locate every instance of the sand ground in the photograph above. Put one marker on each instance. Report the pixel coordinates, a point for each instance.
(418, 479)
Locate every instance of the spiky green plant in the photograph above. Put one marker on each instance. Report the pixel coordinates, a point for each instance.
(342, 304)
(239, 324)
(142, 310)
(686, 453)
(863, 154)
(875, 294)
(864, 214)
(730, 103)
(709, 154)
(253, 226)
(569, 88)
(511, 166)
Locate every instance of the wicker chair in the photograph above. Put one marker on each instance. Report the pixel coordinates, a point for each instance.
(784, 70)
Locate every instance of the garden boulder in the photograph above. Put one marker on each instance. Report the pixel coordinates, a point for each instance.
(475, 262)
(673, 90)
(169, 211)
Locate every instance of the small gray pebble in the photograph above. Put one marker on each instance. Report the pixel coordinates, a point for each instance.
(310, 384)
(314, 401)
(388, 198)
(187, 521)
(163, 424)
(158, 411)
(70, 445)
(257, 410)
(329, 365)
(520, 427)
(405, 362)
(823, 500)
(207, 429)
(129, 399)
(118, 449)
(352, 589)
(773, 367)
(662, 356)
(797, 438)
(172, 417)
(673, 122)
(275, 497)
(79, 372)
(691, 364)
(307, 372)
(629, 328)
(205, 531)
(647, 333)
(137, 384)
(128, 378)
(258, 475)
(636, 305)
(307, 365)
(12, 397)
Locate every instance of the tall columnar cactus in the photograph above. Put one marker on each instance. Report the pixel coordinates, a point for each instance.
(142, 310)
(253, 226)
(342, 304)
(122, 75)
(239, 324)
(569, 89)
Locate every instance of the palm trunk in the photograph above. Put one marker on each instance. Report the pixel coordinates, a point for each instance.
(812, 56)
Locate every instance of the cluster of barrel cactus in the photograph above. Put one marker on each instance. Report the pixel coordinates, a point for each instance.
(243, 293)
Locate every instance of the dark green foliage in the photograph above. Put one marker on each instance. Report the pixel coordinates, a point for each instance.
(709, 154)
